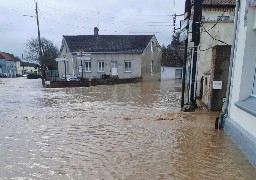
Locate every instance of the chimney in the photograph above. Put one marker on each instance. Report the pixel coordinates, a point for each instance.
(96, 31)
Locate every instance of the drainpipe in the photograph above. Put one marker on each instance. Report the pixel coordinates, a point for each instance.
(224, 112)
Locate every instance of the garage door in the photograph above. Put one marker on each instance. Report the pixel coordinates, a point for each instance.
(178, 73)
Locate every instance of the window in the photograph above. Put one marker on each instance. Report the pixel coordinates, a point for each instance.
(101, 66)
(128, 65)
(152, 46)
(88, 67)
(152, 66)
(114, 64)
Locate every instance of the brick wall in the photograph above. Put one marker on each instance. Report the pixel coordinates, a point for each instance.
(219, 72)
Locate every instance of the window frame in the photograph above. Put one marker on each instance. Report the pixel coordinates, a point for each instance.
(127, 68)
(101, 66)
(152, 44)
(88, 66)
(152, 67)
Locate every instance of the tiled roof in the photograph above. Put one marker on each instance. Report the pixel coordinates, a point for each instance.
(6, 56)
(108, 43)
(219, 2)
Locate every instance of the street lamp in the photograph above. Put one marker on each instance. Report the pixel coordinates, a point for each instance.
(83, 57)
(64, 60)
(82, 69)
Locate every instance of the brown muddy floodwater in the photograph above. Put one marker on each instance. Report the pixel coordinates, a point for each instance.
(110, 132)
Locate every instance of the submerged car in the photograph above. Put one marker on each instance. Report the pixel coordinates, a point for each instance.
(70, 78)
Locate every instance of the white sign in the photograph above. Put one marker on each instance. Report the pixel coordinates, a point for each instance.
(217, 84)
(85, 58)
(80, 68)
(183, 25)
(61, 59)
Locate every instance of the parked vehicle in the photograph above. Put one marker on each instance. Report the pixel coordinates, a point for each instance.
(70, 77)
(3, 75)
(33, 76)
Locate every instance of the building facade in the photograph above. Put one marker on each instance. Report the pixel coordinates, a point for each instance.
(7, 65)
(215, 36)
(210, 28)
(125, 56)
(27, 67)
(240, 107)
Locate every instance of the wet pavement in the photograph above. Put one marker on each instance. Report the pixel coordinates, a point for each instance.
(128, 131)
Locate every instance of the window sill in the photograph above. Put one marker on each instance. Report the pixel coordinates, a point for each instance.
(248, 105)
(128, 71)
(88, 71)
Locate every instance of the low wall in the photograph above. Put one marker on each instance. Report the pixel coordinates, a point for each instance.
(245, 141)
(94, 82)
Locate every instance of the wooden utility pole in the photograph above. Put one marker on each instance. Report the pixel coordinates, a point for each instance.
(187, 19)
(196, 39)
(41, 60)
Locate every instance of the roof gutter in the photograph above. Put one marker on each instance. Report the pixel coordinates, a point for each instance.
(75, 53)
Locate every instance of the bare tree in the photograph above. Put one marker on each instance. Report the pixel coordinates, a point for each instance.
(49, 50)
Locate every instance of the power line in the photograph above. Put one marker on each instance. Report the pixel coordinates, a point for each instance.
(217, 21)
(214, 37)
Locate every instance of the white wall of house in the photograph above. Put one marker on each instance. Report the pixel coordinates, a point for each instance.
(221, 30)
(70, 69)
(135, 70)
(168, 73)
(151, 61)
(243, 72)
(27, 69)
(18, 68)
(210, 14)
(241, 124)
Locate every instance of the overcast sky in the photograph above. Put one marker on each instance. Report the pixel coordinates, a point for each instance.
(79, 17)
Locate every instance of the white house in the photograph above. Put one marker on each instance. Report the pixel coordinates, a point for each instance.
(26, 67)
(215, 40)
(209, 40)
(125, 56)
(239, 117)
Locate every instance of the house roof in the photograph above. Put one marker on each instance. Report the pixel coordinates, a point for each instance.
(220, 2)
(108, 43)
(29, 64)
(7, 57)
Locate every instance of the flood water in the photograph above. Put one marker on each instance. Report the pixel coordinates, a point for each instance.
(128, 131)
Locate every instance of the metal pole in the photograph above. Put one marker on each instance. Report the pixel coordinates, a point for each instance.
(65, 71)
(82, 67)
(41, 60)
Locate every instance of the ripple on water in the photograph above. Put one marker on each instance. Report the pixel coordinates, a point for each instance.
(129, 131)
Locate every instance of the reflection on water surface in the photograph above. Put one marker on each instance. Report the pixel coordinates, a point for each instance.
(110, 132)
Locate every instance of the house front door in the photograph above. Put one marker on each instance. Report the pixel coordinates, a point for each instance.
(114, 68)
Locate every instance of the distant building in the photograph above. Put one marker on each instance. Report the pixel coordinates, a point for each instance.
(27, 67)
(172, 63)
(7, 65)
(125, 56)
(209, 41)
